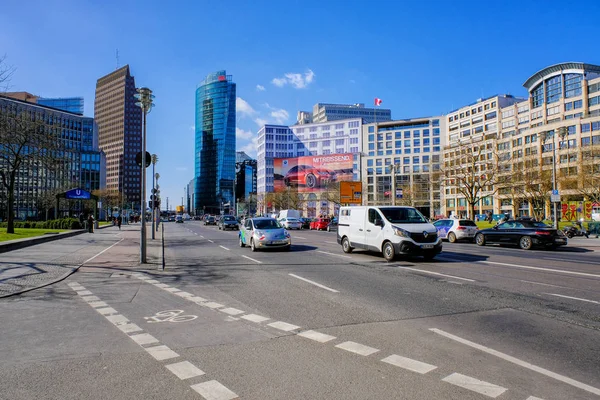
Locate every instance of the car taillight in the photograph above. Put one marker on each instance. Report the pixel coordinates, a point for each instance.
(545, 233)
(461, 228)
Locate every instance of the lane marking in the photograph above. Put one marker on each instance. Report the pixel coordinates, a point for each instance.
(330, 242)
(90, 298)
(540, 269)
(223, 247)
(84, 293)
(96, 304)
(255, 318)
(357, 348)
(108, 248)
(184, 294)
(317, 336)
(77, 288)
(314, 283)
(107, 311)
(252, 259)
(231, 311)
(153, 281)
(571, 261)
(409, 364)
(333, 254)
(212, 304)
(117, 319)
(538, 283)
(521, 363)
(73, 284)
(475, 385)
(573, 298)
(437, 273)
(143, 338)
(161, 285)
(213, 390)
(534, 398)
(161, 352)
(195, 233)
(172, 289)
(210, 241)
(197, 299)
(202, 236)
(129, 328)
(283, 326)
(299, 237)
(184, 370)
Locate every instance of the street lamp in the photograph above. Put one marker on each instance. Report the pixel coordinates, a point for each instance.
(154, 178)
(544, 136)
(144, 97)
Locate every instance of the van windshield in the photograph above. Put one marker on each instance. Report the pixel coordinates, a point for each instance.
(403, 216)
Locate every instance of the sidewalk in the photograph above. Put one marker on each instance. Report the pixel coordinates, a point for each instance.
(43, 264)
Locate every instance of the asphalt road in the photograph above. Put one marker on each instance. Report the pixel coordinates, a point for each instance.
(312, 323)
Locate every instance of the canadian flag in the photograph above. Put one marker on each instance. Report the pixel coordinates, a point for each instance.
(377, 101)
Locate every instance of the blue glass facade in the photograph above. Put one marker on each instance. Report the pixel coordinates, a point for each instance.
(214, 169)
(70, 104)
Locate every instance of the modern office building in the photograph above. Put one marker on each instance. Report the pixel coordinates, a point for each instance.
(324, 112)
(214, 168)
(245, 183)
(120, 132)
(84, 166)
(70, 104)
(554, 131)
(406, 153)
(190, 195)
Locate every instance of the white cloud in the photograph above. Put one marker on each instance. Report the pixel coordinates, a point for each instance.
(352, 81)
(250, 148)
(280, 116)
(243, 108)
(260, 88)
(192, 127)
(241, 134)
(296, 79)
(260, 121)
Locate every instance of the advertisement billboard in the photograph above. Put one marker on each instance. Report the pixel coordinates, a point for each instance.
(351, 192)
(310, 174)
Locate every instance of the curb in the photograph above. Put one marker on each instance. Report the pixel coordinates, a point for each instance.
(63, 277)
(21, 243)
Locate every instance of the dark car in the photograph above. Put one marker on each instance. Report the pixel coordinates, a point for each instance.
(197, 218)
(210, 220)
(228, 222)
(333, 225)
(305, 223)
(525, 234)
(309, 176)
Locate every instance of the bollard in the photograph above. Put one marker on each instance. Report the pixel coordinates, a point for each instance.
(163, 247)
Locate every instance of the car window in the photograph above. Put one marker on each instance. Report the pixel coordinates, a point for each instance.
(373, 215)
(518, 225)
(266, 224)
(466, 222)
(228, 218)
(403, 216)
(248, 224)
(293, 169)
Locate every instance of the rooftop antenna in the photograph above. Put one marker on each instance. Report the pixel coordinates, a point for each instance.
(117, 56)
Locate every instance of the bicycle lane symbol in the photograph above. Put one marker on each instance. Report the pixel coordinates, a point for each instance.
(170, 316)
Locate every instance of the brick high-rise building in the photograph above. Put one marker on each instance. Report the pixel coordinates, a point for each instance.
(120, 132)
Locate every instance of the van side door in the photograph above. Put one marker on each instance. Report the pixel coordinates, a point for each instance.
(374, 233)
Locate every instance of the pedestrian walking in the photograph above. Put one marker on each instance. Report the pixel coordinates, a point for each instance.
(90, 222)
(119, 222)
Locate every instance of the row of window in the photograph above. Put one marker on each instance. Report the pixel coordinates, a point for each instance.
(416, 150)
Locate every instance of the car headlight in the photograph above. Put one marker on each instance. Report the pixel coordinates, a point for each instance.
(259, 233)
(400, 232)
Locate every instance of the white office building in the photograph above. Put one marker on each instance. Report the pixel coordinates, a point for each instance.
(325, 112)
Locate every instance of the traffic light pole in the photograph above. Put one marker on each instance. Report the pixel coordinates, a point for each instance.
(153, 211)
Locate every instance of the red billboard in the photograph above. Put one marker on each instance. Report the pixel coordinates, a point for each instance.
(311, 173)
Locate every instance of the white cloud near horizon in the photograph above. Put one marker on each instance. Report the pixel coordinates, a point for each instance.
(260, 88)
(250, 148)
(280, 116)
(241, 134)
(296, 79)
(242, 107)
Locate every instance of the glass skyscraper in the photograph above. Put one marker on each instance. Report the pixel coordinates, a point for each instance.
(71, 104)
(214, 169)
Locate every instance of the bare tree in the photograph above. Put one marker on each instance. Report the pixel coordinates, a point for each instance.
(589, 185)
(472, 168)
(6, 72)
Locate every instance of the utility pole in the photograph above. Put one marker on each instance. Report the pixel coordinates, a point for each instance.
(167, 204)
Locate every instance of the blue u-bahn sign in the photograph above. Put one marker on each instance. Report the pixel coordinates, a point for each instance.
(78, 194)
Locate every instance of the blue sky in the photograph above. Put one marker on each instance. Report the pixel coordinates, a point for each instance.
(421, 57)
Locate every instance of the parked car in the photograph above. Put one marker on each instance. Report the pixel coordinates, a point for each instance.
(228, 222)
(291, 223)
(525, 234)
(333, 225)
(309, 176)
(305, 223)
(456, 229)
(197, 218)
(171, 218)
(389, 230)
(319, 224)
(262, 233)
(179, 219)
(210, 220)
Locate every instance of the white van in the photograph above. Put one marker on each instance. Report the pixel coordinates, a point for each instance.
(388, 230)
(288, 214)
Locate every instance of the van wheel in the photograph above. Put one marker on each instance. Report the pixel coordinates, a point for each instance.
(388, 251)
(252, 246)
(451, 237)
(346, 245)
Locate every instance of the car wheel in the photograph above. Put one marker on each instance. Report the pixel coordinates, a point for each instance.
(311, 181)
(570, 235)
(346, 246)
(480, 239)
(252, 246)
(242, 242)
(388, 251)
(429, 255)
(525, 242)
(451, 237)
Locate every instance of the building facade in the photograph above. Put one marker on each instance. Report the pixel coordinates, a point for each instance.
(245, 184)
(214, 169)
(120, 132)
(84, 166)
(324, 112)
(405, 154)
(71, 104)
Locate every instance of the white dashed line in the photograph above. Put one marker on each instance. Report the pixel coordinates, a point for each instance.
(212, 304)
(223, 247)
(153, 281)
(232, 311)
(283, 326)
(184, 370)
(97, 304)
(197, 299)
(485, 388)
(213, 390)
(521, 363)
(210, 241)
(437, 273)
(255, 318)
(77, 288)
(129, 328)
(106, 249)
(534, 398)
(161, 352)
(161, 285)
(202, 236)
(299, 237)
(195, 233)
(538, 283)
(357, 348)
(106, 311)
(573, 298)
(314, 283)
(117, 319)
(73, 284)
(316, 336)
(143, 338)
(172, 289)
(90, 298)
(330, 242)
(184, 294)
(252, 259)
(409, 364)
(333, 254)
(560, 271)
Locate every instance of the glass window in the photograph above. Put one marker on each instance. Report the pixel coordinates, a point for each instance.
(537, 95)
(406, 134)
(573, 85)
(553, 89)
(371, 129)
(407, 143)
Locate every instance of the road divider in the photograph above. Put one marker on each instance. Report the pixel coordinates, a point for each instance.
(314, 283)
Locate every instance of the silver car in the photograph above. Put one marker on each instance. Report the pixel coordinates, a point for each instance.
(456, 229)
(264, 233)
(291, 223)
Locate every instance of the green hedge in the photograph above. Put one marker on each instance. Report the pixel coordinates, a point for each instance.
(65, 223)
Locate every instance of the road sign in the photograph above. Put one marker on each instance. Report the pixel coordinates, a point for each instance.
(555, 198)
(398, 193)
(555, 192)
(350, 192)
(138, 159)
